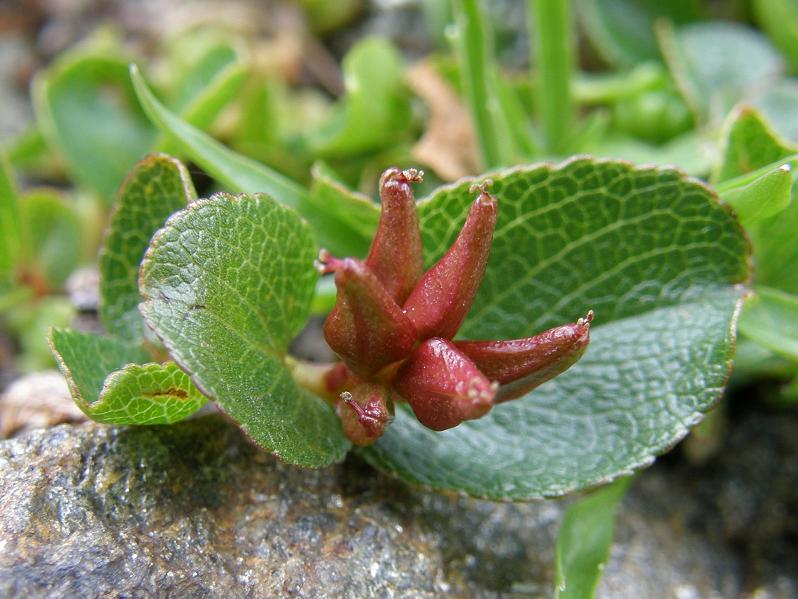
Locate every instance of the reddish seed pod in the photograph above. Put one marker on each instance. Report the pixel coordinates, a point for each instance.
(442, 298)
(337, 378)
(521, 365)
(443, 386)
(365, 412)
(366, 327)
(396, 254)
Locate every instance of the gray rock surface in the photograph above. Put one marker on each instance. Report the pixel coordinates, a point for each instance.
(193, 510)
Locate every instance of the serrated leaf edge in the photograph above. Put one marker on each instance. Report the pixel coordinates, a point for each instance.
(682, 430)
(553, 166)
(188, 191)
(176, 217)
(112, 378)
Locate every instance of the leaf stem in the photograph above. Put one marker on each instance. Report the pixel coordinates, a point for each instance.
(553, 54)
(311, 376)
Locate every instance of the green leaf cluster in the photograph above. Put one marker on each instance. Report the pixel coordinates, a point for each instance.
(88, 114)
(757, 176)
(40, 245)
(116, 379)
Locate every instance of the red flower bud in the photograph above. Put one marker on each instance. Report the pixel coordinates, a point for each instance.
(521, 365)
(366, 327)
(443, 386)
(441, 300)
(365, 412)
(396, 254)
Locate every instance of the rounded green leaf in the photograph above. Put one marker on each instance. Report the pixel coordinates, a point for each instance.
(134, 394)
(157, 186)
(227, 283)
(88, 111)
(771, 319)
(623, 30)
(718, 64)
(50, 247)
(86, 359)
(146, 394)
(376, 108)
(659, 260)
(749, 144)
(778, 106)
(779, 19)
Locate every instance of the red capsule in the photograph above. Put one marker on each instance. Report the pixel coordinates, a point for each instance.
(366, 327)
(396, 254)
(365, 412)
(443, 386)
(442, 298)
(521, 365)
(337, 378)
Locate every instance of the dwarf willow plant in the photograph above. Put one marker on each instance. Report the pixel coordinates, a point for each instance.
(200, 297)
(224, 283)
(227, 282)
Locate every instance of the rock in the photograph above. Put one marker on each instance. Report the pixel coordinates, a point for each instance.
(36, 400)
(83, 288)
(193, 510)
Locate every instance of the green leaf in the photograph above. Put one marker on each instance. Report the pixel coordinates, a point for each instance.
(131, 393)
(779, 19)
(718, 64)
(623, 30)
(51, 239)
(771, 319)
(29, 321)
(778, 105)
(584, 541)
(208, 81)
(146, 394)
(156, 187)
(345, 220)
(195, 60)
(775, 249)
(752, 361)
(86, 359)
(376, 109)
(749, 144)
(232, 170)
(761, 198)
(226, 285)
(9, 221)
(325, 16)
(333, 222)
(686, 152)
(86, 108)
(661, 263)
(751, 149)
